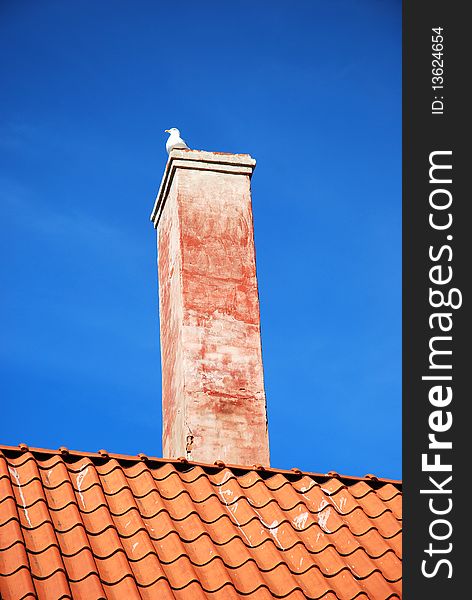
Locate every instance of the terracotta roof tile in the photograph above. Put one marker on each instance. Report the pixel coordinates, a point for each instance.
(75, 525)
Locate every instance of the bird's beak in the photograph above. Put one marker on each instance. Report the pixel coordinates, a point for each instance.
(166, 131)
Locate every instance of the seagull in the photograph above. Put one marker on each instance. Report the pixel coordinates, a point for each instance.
(174, 141)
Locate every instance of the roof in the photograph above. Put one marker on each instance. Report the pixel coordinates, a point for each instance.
(91, 526)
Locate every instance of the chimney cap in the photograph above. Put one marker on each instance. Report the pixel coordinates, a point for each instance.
(199, 160)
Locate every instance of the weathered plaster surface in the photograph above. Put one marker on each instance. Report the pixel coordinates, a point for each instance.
(213, 388)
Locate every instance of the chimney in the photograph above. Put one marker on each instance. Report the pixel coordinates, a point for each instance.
(213, 399)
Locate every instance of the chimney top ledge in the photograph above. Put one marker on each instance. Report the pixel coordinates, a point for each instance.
(201, 160)
(217, 157)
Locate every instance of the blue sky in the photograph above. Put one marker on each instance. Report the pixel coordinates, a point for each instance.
(313, 91)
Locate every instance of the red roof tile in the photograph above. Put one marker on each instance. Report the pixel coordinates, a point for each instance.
(89, 526)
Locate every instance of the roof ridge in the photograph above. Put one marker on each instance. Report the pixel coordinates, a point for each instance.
(217, 465)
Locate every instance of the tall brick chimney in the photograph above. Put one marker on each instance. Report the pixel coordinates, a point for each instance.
(213, 399)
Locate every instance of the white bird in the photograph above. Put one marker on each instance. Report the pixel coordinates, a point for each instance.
(174, 141)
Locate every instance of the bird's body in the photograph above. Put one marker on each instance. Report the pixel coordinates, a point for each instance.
(175, 142)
